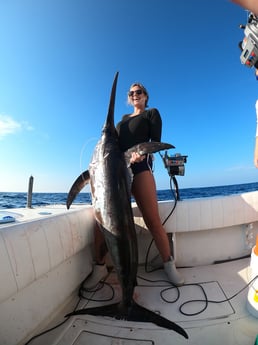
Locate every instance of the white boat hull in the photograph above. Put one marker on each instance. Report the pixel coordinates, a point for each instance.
(47, 252)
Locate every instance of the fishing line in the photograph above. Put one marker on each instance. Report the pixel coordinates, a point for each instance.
(99, 287)
(156, 285)
(81, 292)
(52, 328)
(83, 149)
(205, 300)
(175, 194)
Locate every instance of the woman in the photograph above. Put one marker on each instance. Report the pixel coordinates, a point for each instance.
(142, 125)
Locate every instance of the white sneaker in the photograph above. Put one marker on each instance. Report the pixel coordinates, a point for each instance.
(173, 275)
(99, 272)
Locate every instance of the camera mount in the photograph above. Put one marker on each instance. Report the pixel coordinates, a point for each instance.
(175, 164)
(249, 45)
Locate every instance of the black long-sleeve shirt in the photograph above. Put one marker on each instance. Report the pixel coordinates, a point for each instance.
(133, 130)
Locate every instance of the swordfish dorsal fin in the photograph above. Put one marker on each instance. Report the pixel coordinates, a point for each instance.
(109, 124)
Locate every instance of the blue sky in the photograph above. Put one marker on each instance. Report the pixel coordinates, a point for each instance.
(57, 63)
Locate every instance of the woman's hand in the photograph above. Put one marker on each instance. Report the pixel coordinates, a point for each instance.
(136, 158)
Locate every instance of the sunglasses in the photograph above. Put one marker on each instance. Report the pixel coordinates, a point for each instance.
(136, 92)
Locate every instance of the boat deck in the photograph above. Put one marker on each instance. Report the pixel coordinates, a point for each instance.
(224, 319)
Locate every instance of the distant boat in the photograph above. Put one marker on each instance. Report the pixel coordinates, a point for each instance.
(46, 253)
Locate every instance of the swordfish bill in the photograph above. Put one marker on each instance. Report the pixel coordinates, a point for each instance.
(110, 183)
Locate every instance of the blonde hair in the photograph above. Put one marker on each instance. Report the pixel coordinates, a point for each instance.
(144, 91)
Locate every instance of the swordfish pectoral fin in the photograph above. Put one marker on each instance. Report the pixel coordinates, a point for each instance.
(135, 313)
(149, 147)
(78, 185)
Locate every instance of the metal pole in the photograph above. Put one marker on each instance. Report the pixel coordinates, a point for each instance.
(29, 196)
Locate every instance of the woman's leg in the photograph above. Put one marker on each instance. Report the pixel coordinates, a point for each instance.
(144, 192)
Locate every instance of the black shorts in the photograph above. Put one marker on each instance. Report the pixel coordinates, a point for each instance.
(144, 165)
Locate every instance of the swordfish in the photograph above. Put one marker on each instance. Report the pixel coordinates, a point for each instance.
(109, 179)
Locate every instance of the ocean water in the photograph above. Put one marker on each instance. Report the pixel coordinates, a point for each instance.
(18, 200)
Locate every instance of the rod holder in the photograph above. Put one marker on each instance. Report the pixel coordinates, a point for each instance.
(30, 189)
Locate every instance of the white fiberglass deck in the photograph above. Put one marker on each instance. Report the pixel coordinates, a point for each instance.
(226, 323)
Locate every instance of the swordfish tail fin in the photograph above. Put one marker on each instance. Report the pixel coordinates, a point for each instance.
(135, 313)
(141, 314)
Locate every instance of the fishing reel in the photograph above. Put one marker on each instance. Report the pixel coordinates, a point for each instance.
(175, 164)
(249, 45)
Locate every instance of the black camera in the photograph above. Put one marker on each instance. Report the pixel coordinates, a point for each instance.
(249, 45)
(175, 164)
